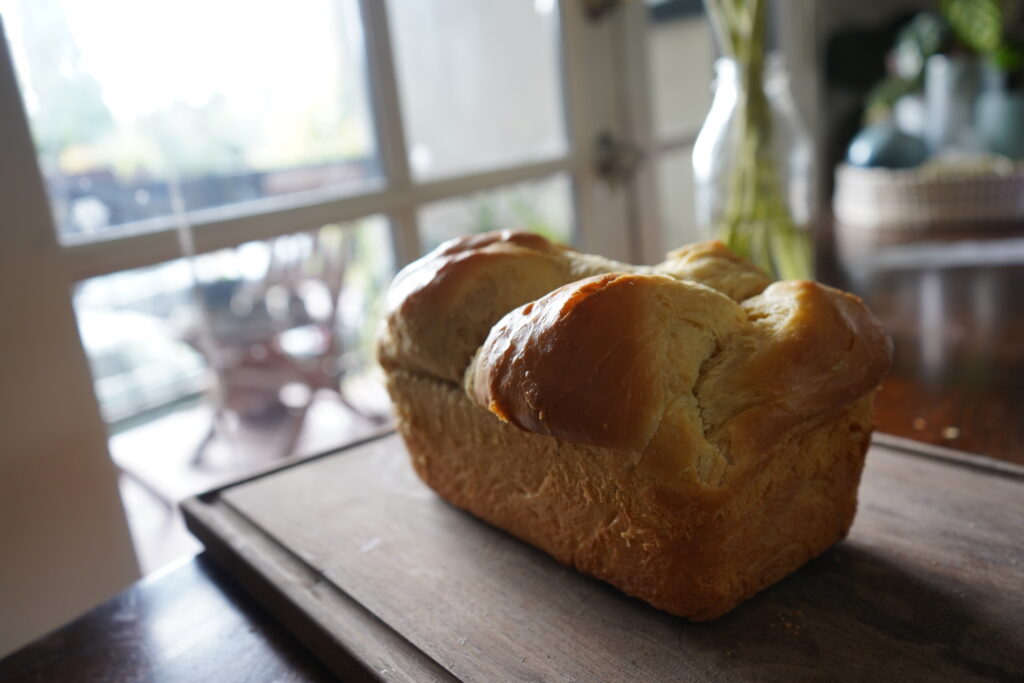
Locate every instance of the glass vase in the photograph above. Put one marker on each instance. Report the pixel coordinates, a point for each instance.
(753, 167)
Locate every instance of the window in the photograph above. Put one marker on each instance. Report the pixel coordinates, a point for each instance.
(160, 112)
(543, 206)
(161, 137)
(497, 64)
(259, 116)
(250, 320)
(231, 185)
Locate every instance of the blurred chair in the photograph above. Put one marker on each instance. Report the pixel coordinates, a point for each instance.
(260, 338)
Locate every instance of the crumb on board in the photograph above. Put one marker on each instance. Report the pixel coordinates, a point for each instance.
(950, 433)
(788, 623)
(919, 423)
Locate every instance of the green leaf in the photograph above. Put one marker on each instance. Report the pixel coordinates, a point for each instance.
(976, 23)
(1008, 57)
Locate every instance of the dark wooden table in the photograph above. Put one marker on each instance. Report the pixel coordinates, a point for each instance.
(953, 301)
(390, 579)
(881, 615)
(191, 623)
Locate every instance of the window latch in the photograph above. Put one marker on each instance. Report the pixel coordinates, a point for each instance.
(597, 9)
(616, 160)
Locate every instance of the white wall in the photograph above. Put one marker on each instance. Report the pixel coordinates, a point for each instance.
(64, 543)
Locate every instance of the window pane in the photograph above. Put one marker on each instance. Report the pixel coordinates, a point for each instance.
(298, 309)
(139, 106)
(275, 361)
(128, 323)
(681, 59)
(675, 196)
(543, 207)
(480, 83)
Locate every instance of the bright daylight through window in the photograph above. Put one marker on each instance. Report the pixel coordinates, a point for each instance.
(138, 109)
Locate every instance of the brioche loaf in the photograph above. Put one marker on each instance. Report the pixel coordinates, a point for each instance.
(689, 432)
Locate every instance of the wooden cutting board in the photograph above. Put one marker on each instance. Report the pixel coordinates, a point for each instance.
(381, 578)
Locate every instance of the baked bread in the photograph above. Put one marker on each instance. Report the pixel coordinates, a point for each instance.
(689, 432)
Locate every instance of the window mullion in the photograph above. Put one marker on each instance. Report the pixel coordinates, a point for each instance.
(638, 124)
(592, 87)
(388, 124)
(219, 228)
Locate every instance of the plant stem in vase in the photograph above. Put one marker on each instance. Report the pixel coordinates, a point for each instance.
(749, 207)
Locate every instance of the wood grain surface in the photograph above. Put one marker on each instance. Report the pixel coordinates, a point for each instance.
(950, 298)
(191, 623)
(929, 585)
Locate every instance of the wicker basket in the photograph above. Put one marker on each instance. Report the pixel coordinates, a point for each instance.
(879, 197)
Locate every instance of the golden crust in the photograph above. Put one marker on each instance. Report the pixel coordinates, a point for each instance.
(441, 308)
(713, 264)
(698, 384)
(686, 431)
(600, 360)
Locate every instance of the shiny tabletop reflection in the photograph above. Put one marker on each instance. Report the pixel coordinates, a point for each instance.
(954, 306)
